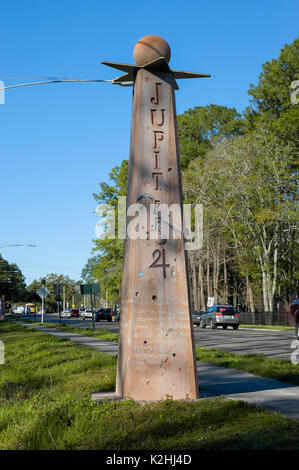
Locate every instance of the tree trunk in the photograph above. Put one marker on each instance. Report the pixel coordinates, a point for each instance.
(265, 287)
(208, 272)
(235, 294)
(201, 288)
(225, 285)
(216, 273)
(250, 301)
(194, 283)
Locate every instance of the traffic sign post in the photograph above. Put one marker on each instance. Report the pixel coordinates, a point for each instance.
(90, 289)
(91, 304)
(58, 291)
(43, 292)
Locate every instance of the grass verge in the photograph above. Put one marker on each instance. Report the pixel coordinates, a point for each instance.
(45, 387)
(257, 364)
(268, 327)
(100, 333)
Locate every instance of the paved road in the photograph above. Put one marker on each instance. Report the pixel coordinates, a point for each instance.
(273, 344)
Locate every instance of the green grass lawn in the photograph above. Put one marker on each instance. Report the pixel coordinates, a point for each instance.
(45, 387)
(100, 333)
(268, 327)
(278, 369)
(257, 364)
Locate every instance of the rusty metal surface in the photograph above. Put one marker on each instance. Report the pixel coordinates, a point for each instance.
(158, 65)
(150, 48)
(156, 354)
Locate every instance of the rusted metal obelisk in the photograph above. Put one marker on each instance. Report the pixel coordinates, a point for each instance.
(156, 355)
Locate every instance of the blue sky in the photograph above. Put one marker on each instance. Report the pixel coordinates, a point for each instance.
(58, 142)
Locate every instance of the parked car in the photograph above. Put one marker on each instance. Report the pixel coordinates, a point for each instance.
(18, 309)
(104, 314)
(66, 313)
(75, 312)
(87, 314)
(221, 315)
(196, 317)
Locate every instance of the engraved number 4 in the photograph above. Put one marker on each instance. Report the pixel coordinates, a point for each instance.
(163, 264)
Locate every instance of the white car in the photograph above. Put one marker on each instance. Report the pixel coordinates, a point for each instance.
(66, 313)
(87, 314)
(18, 310)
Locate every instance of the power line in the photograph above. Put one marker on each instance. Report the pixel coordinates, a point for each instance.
(21, 77)
(16, 244)
(75, 80)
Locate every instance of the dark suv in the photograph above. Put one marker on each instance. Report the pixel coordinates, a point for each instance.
(104, 314)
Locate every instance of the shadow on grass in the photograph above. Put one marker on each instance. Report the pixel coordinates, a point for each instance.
(168, 425)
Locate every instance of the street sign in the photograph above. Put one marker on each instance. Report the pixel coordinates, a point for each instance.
(210, 301)
(90, 289)
(43, 292)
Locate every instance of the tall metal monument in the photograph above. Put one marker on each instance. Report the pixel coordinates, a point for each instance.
(156, 355)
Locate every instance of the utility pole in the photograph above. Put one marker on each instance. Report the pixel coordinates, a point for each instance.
(43, 301)
(63, 297)
(91, 306)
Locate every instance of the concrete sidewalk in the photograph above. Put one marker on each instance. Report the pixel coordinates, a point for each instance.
(259, 391)
(214, 380)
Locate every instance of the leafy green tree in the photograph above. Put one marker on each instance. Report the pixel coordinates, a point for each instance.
(252, 202)
(12, 282)
(51, 279)
(106, 266)
(200, 127)
(271, 97)
(88, 270)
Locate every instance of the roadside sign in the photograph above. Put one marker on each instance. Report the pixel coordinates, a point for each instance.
(43, 292)
(90, 289)
(210, 301)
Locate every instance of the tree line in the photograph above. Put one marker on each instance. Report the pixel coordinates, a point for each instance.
(16, 292)
(243, 169)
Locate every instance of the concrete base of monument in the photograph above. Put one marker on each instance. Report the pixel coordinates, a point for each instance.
(101, 396)
(111, 396)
